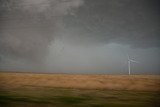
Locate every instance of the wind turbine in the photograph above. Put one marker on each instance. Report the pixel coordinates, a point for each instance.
(129, 64)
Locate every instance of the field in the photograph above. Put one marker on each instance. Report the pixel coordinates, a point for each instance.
(75, 90)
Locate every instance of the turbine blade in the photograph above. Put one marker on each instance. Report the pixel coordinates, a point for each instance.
(134, 61)
(128, 57)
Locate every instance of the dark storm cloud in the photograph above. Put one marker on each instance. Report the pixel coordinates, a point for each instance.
(27, 27)
(132, 22)
(50, 35)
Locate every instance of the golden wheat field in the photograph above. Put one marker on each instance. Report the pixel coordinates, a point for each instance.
(83, 81)
(78, 90)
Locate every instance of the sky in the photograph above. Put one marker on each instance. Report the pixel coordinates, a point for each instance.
(80, 36)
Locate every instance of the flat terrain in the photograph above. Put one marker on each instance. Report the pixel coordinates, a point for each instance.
(74, 90)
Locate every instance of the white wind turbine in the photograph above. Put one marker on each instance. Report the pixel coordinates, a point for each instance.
(129, 64)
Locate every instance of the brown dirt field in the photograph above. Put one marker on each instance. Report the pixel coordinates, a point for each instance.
(81, 81)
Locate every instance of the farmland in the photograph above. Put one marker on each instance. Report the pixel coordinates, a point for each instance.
(78, 90)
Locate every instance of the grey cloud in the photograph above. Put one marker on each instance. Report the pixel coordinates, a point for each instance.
(56, 35)
(27, 27)
(132, 22)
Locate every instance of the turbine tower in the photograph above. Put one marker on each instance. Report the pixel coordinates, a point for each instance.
(129, 64)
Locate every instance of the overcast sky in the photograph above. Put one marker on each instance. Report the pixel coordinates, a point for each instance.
(80, 36)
